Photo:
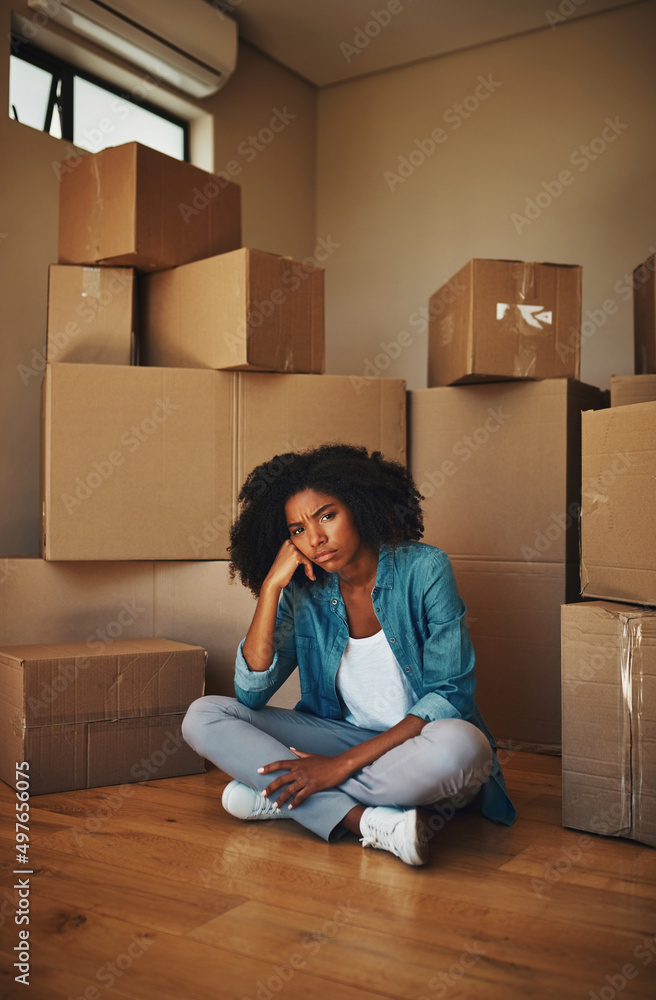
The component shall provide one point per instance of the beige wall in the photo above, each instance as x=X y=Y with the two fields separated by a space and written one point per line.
x=278 y=215
x=552 y=92
x=385 y=250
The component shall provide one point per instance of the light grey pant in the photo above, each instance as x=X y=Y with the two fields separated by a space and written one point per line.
x=446 y=763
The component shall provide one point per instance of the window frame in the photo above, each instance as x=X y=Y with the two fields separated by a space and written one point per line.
x=66 y=72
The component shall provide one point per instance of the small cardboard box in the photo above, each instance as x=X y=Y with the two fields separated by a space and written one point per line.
x=505 y=319
x=609 y=720
x=134 y=461
x=644 y=316
x=499 y=466
x=627 y=389
x=147 y=463
x=135 y=206
x=91 y=314
x=618 y=540
x=513 y=616
x=82 y=718
x=241 y=310
x=98 y=602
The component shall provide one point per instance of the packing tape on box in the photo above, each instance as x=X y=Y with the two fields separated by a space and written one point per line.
x=631 y=736
x=523 y=274
x=638 y=738
x=626 y=716
x=91 y=282
x=97 y=210
x=524 y=320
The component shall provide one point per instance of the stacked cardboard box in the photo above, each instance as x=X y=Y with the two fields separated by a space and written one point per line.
x=609 y=719
x=608 y=647
x=641 y=387
x=83 y=717
x=644 y=316
x=132 y=206
x=121 y=211
x=626 y=389
x=142 y=463
x=91 y=314
x=618 y=541
x=499 y=465
x=242 y=310
x=503 y=319
x=147 y=463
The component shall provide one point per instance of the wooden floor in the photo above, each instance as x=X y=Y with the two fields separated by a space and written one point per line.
x=159 y=895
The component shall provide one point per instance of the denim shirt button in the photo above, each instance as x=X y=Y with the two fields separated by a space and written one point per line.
x=377 y=609
x=407 y=670
x=334 y=601
x=392 y=639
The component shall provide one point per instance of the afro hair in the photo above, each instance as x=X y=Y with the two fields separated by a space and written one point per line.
x=381 y=495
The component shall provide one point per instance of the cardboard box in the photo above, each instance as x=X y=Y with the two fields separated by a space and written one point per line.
x=513 y=616
x=504 y=319
x=644 y=316
x=99 y=602
x=499 y=466
x=82 y=718
x=278 y=413
x=609 y=720
x=627 y=389
x=618 y=541
x=241 y=310
x=147 y=463
x=91 y=314
x=135 y=206
x=134 y=461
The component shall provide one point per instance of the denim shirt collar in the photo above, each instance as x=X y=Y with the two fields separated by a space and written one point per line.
x=329 y=590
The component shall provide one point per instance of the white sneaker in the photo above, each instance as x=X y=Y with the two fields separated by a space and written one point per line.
x=247 y=803
x=395 y=830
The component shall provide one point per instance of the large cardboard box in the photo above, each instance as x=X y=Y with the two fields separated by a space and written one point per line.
x=91 y=314
x=503 y=319
x=609 y=720
x=618 y=540
x=135 y=206
x=241 y=310
x=147 y=463
x=82 y=718
x=513 y=616
x=499 y=466
x=134 y=461
x=100 y=602
x=644 y=316
x=278 y=413
x=627 y=389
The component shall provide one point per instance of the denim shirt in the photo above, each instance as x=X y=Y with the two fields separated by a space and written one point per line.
x=423 y=617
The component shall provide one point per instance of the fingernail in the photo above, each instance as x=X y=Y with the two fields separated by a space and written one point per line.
x=260 y=770
x=263 y=793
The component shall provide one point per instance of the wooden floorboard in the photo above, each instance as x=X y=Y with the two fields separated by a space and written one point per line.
x=152 y=892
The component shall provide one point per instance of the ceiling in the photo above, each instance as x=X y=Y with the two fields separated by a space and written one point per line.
x=329 y=41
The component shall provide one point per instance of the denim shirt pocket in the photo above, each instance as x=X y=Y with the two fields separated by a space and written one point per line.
x=306 y=651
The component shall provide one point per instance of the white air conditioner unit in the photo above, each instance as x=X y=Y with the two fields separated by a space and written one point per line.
x=190 y=46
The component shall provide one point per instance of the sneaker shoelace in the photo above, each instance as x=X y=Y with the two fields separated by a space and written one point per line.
x=264 y=806
x=378 y=836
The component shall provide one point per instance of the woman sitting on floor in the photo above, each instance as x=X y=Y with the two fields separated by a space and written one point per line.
x=328 y=541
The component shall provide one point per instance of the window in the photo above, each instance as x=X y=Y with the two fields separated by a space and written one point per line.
x=52 y=95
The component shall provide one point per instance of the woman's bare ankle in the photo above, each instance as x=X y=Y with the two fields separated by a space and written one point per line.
x=352 y=819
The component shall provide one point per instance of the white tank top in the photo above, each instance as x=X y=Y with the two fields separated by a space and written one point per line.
x=373 y=690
